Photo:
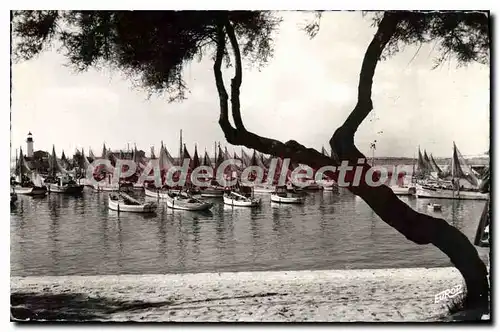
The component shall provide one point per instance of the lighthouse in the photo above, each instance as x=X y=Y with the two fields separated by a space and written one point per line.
x=29 y=142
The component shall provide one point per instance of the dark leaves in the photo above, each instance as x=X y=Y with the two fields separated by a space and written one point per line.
x=151 y=47
x=461 y=35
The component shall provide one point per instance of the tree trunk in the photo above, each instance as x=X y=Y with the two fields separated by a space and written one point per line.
x=418 y=228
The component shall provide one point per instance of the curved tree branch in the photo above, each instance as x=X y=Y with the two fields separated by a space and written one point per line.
x=417 y=227
x=236 y=81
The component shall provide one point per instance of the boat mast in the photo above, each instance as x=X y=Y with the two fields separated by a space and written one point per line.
x=453 y=171
x=413 y=170
x=180 y=149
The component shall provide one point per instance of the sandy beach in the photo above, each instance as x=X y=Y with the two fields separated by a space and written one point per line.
x=294 y=296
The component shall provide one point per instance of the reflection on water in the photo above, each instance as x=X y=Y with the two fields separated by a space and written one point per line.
x=60 y=235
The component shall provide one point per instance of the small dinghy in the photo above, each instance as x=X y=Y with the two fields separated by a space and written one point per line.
x=122 y=202
x=184 y=201
x=282 y=195
x=241 y=198
x=434 y=207
x=156 y=192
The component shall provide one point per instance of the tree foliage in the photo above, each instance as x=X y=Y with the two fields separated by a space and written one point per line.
x=460 y=35
x=151 y=46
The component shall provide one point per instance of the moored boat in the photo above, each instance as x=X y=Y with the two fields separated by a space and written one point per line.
x=63 y=185
x=184 y=201
x=156 y=192
x=122 y=202
x=263 y=188
x=434 y=207
x=30 y=190
x=236 y=199
x=450 y=194
x=212 y=192
x=281 y=195
x=404 y=190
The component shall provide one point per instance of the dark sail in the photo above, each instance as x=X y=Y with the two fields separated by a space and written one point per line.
x=461 y=170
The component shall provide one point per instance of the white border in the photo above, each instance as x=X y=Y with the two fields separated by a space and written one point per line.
x=186 y=4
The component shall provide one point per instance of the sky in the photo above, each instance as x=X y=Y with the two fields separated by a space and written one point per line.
x=304 y=93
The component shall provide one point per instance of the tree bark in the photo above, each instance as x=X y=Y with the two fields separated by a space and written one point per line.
x=416 y=227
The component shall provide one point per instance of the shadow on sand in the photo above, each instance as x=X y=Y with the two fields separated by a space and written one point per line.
x=71 y=307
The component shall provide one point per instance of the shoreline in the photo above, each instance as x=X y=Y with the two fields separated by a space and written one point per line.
x=368 y=295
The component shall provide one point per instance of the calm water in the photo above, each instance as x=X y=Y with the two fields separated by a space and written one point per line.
x=60 y=235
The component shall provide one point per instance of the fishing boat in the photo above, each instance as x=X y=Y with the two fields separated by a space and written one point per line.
x=313 y=187
x=63 y=185
x=156 y=192
x=184 y=201
x=241 y=197
x=282 y=195
x=122 y=202
x=23 y=184
x=263 y=188
x=451 y=194
x=105 y=185
x=463 y=185
x=212 y=191
x=404 y=190
x=434 y=207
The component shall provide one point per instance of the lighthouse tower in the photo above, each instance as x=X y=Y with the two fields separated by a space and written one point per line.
x=29 y=142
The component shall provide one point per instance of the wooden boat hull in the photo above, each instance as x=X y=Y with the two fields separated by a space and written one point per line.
x=264 y=189
x=160 y=194
x=105 y=188
x=122 y=207
x=30 y=191
x=448 y=194
x=234 y=202
x=287 y=200
x=212 y=192
x=68 y=189
x=182 y=205
x=404 y=191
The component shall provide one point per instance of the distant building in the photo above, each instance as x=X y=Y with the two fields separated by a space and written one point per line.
x=29 y=142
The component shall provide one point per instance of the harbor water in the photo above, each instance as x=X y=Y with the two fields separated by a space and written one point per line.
x=66 y=235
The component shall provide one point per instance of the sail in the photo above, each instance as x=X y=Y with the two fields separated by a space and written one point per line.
x=461 y=169
x=220 y=157
x=65 y=164
x=323 y=151
x=246 y=159
x=195 y=162
x=427 y=161
x=85 y=162
x=206 y=160
x=266 y=161
x=166 y=160
x=422 y=167
x=54 y=166
x=91 y=155
x=435 y=166
x=152 y=156
x=21 y=167
x=185 y=154
x=104 y=151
